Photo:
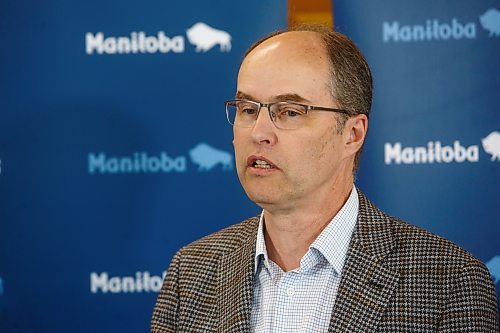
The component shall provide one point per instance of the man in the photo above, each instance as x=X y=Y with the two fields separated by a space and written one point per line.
x=320 y=257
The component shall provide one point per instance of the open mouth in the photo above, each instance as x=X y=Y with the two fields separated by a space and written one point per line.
x=260 y=163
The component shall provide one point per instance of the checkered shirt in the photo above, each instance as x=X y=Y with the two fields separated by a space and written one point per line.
x=302 y=299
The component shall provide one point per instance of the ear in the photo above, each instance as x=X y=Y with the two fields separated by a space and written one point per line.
x=355 y=130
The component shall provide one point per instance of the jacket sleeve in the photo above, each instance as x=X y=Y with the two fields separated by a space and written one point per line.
x=472 y=304
x=166 y=310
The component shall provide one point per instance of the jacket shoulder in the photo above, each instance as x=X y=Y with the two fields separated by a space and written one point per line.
x=413 y=241
x=223 y=241
x=439 y=282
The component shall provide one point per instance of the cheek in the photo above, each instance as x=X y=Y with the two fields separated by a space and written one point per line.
x=239 y=158
x=309 y=159
x=238 y=144
x=323 y=146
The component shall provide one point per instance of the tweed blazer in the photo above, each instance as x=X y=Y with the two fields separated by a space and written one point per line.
x=396 y=278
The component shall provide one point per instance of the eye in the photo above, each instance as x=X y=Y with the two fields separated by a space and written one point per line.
x=291 y=111
x=248 y=111
x=247 y=108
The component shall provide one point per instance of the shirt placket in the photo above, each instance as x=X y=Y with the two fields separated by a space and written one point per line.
x=286 y=314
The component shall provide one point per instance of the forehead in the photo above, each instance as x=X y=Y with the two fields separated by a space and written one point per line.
x=289 y=63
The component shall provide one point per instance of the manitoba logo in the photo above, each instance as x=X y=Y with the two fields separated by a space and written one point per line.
x=490 y=21
x=441 y=30
x=433 y=152
x=204 y=37
x=138 y=162
x=207 y=157
x=140 y=282
x=202 y=155
x=491 y=145
x=428 y=30
x=136 y=42
x=494 y=268
x=438 y=152
x=201 y=35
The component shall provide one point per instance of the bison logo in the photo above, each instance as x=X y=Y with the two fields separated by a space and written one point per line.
x=494 y=268
x=204 y=37
x=490 y=21
x=491 y=145
x=207 y=157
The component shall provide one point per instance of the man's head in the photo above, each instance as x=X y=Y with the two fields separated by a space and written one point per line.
x=351 y=78
x=290 y=167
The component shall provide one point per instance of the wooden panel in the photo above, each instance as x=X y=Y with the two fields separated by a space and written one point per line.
x=310 y=11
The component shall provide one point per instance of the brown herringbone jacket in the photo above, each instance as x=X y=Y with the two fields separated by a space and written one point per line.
x=397 y=278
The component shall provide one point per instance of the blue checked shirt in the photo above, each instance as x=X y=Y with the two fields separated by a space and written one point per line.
x=302 y=300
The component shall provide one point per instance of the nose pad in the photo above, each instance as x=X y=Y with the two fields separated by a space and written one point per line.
x=258 y=119
x=272 y=116
x=264 y=130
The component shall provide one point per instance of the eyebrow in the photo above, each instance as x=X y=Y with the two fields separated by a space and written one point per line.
x=278 y=98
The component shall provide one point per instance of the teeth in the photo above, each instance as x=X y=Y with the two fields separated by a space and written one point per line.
x=262 y=164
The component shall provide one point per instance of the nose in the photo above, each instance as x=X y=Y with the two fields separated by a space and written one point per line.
x=264 y=130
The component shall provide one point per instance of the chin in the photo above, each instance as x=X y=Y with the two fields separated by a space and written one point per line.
x=261 y=199
x=266 y=200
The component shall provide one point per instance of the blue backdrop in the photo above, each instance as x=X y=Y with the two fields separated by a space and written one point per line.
x=433 y=148
x=115 y=151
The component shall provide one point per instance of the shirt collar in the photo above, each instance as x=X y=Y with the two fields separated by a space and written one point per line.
x=332 y=243
x=260 y=245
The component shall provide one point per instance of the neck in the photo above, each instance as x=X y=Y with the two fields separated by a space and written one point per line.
x=289 y=233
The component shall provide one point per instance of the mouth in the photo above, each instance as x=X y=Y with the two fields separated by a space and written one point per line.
x=261 y=163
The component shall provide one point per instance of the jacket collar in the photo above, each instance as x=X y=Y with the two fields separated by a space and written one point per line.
x=367 y=283
x=235 y=282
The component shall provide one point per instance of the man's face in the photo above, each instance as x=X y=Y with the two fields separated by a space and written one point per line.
x=308 y=163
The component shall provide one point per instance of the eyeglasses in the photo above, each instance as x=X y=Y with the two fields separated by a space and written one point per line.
x=284 y=115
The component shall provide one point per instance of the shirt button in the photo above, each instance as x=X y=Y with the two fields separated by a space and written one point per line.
x=290 y=291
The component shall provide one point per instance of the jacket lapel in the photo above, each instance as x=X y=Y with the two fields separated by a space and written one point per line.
x=235 y=283
x=367 y=282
